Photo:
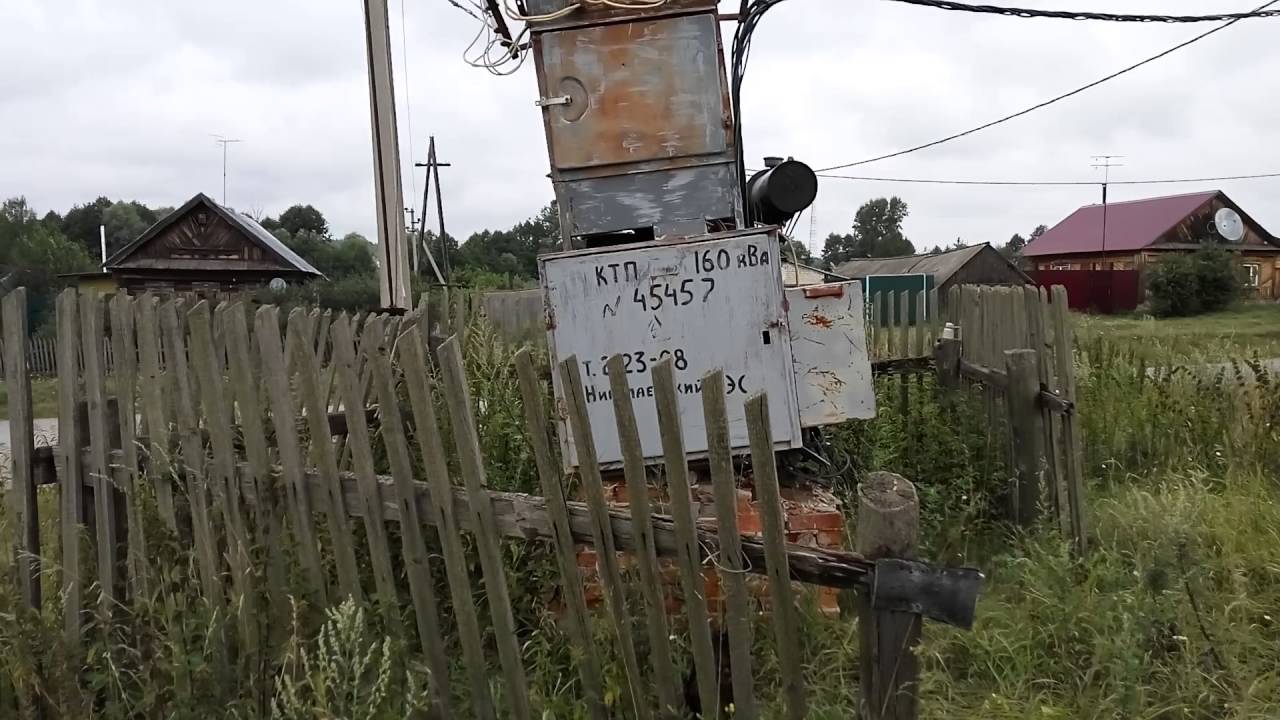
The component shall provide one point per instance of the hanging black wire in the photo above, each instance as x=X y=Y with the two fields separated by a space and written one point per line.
x=1087 y=15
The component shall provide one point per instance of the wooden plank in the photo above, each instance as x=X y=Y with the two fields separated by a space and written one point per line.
x=159 y=452
x=219 y=421
x=261 y=480
x=358 y=441
x=1026 y=433
x=25 y=512
x=1065 y=362
x=576 y=615
x=91 y=339
x=193 y=456
x=303 y=364
x=442 y=513
x=902 y=305
x=458 y=398
x=786 y=624
x=413 y=542
x=1056 y=447
x=731 y=565
x=124 y=348
x=689 y=553
x=601 y=533
x=877 y=331
x=275 y=374
x=888 y=527
x=1034 y=313
x=69 y=444
x=664 y=673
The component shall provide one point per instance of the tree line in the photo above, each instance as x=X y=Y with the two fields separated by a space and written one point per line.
x=35 y=250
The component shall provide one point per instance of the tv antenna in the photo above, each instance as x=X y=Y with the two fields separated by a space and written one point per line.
x=224 y=142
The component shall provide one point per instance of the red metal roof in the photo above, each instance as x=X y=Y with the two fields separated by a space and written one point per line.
x=1131 y=225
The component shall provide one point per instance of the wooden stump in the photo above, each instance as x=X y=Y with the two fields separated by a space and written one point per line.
x=888 y=527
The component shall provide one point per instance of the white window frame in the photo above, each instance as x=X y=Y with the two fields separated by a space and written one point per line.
x=1059 y=266
x=1253 y=273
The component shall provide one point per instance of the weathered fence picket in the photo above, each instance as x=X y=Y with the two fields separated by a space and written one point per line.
x=174 y=397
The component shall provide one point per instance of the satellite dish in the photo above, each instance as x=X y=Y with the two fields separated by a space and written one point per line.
x=277 y=284
x=1227 y=223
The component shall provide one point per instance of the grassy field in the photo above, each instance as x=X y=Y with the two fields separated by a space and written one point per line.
x=1174 y=614
x=44 y=399
x=1238 y=332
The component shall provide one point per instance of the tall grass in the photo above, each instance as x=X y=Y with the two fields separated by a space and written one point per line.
x=1173 y=615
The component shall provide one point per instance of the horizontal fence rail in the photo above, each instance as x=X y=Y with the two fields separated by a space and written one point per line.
x=317 y=458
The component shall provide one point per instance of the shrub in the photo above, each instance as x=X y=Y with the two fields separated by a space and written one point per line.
x=1190 y=284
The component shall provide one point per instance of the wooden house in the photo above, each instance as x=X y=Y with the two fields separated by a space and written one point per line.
x=200 y=247
x=1140 y=232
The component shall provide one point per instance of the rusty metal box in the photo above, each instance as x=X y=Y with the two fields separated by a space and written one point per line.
x=713 y=302
x=638 y=125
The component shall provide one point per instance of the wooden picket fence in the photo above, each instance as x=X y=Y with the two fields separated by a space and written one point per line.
x=1015 y=351
x=256 y=437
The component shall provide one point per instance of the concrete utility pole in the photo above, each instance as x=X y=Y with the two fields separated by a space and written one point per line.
x=393 y=265
x=224 y=142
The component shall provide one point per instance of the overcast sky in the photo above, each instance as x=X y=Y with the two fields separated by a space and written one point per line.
x=118 y=98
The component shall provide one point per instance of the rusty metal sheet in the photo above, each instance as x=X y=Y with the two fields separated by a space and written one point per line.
x=828 y=342
x=642 y=90
x=649 y=199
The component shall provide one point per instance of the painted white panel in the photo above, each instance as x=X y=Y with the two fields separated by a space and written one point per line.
x=828 y=342
x=713 y=303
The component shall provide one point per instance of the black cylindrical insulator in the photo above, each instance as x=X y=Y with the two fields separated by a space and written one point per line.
x=781 y=191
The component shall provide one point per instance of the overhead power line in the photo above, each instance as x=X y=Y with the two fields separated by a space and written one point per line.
x=1088 y=15
x=1047 y=183
x=1048 y=102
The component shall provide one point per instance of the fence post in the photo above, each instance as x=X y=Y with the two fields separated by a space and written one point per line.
x=1026 y=428
x=888 y=527
x=22 y=489
x=946 y=357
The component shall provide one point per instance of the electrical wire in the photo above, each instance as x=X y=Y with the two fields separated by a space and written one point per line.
x=1087 y=15
x=1046 y=103
x=1050 y=183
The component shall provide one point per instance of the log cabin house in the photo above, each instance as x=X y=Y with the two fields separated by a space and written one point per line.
x=1140 y=232
x=201 y=247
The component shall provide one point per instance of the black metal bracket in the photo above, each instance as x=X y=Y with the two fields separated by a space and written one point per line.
x=948 y=595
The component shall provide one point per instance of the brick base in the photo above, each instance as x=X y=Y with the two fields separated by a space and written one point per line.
x=812 y=519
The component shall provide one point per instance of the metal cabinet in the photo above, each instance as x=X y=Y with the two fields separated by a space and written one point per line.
x=828 y=343
x=707 y=303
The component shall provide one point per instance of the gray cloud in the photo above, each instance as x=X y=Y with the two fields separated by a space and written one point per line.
x=118 y=98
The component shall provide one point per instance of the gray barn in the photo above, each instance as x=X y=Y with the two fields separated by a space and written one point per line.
x=973 y=265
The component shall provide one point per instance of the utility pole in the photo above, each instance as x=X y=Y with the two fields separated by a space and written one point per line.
x=393 y=260
x=1105 y=163
x=224 y=142
x=409 y=230
x=433 y=166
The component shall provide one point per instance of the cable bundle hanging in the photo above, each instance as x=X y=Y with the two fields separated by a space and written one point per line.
x=1088 y=15
x=749 y=15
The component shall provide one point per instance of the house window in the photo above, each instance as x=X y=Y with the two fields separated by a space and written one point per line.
x=1252 y=271
x=1060 y=266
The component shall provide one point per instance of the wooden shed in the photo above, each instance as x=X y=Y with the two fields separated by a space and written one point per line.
x=201 y=246
x=973 y=265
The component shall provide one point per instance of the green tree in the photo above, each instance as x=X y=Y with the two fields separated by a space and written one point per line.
x=513 y=251
x=1013 y=248
x=33 y=253
x=877 y=232
x=125 y=221
x=80 y=224
x=1193 y=283
x=299 y=219
x=798 y=250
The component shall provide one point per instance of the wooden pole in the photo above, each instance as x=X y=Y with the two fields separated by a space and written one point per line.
x=25 y=511
x=888 y=527
x=1026 y=430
